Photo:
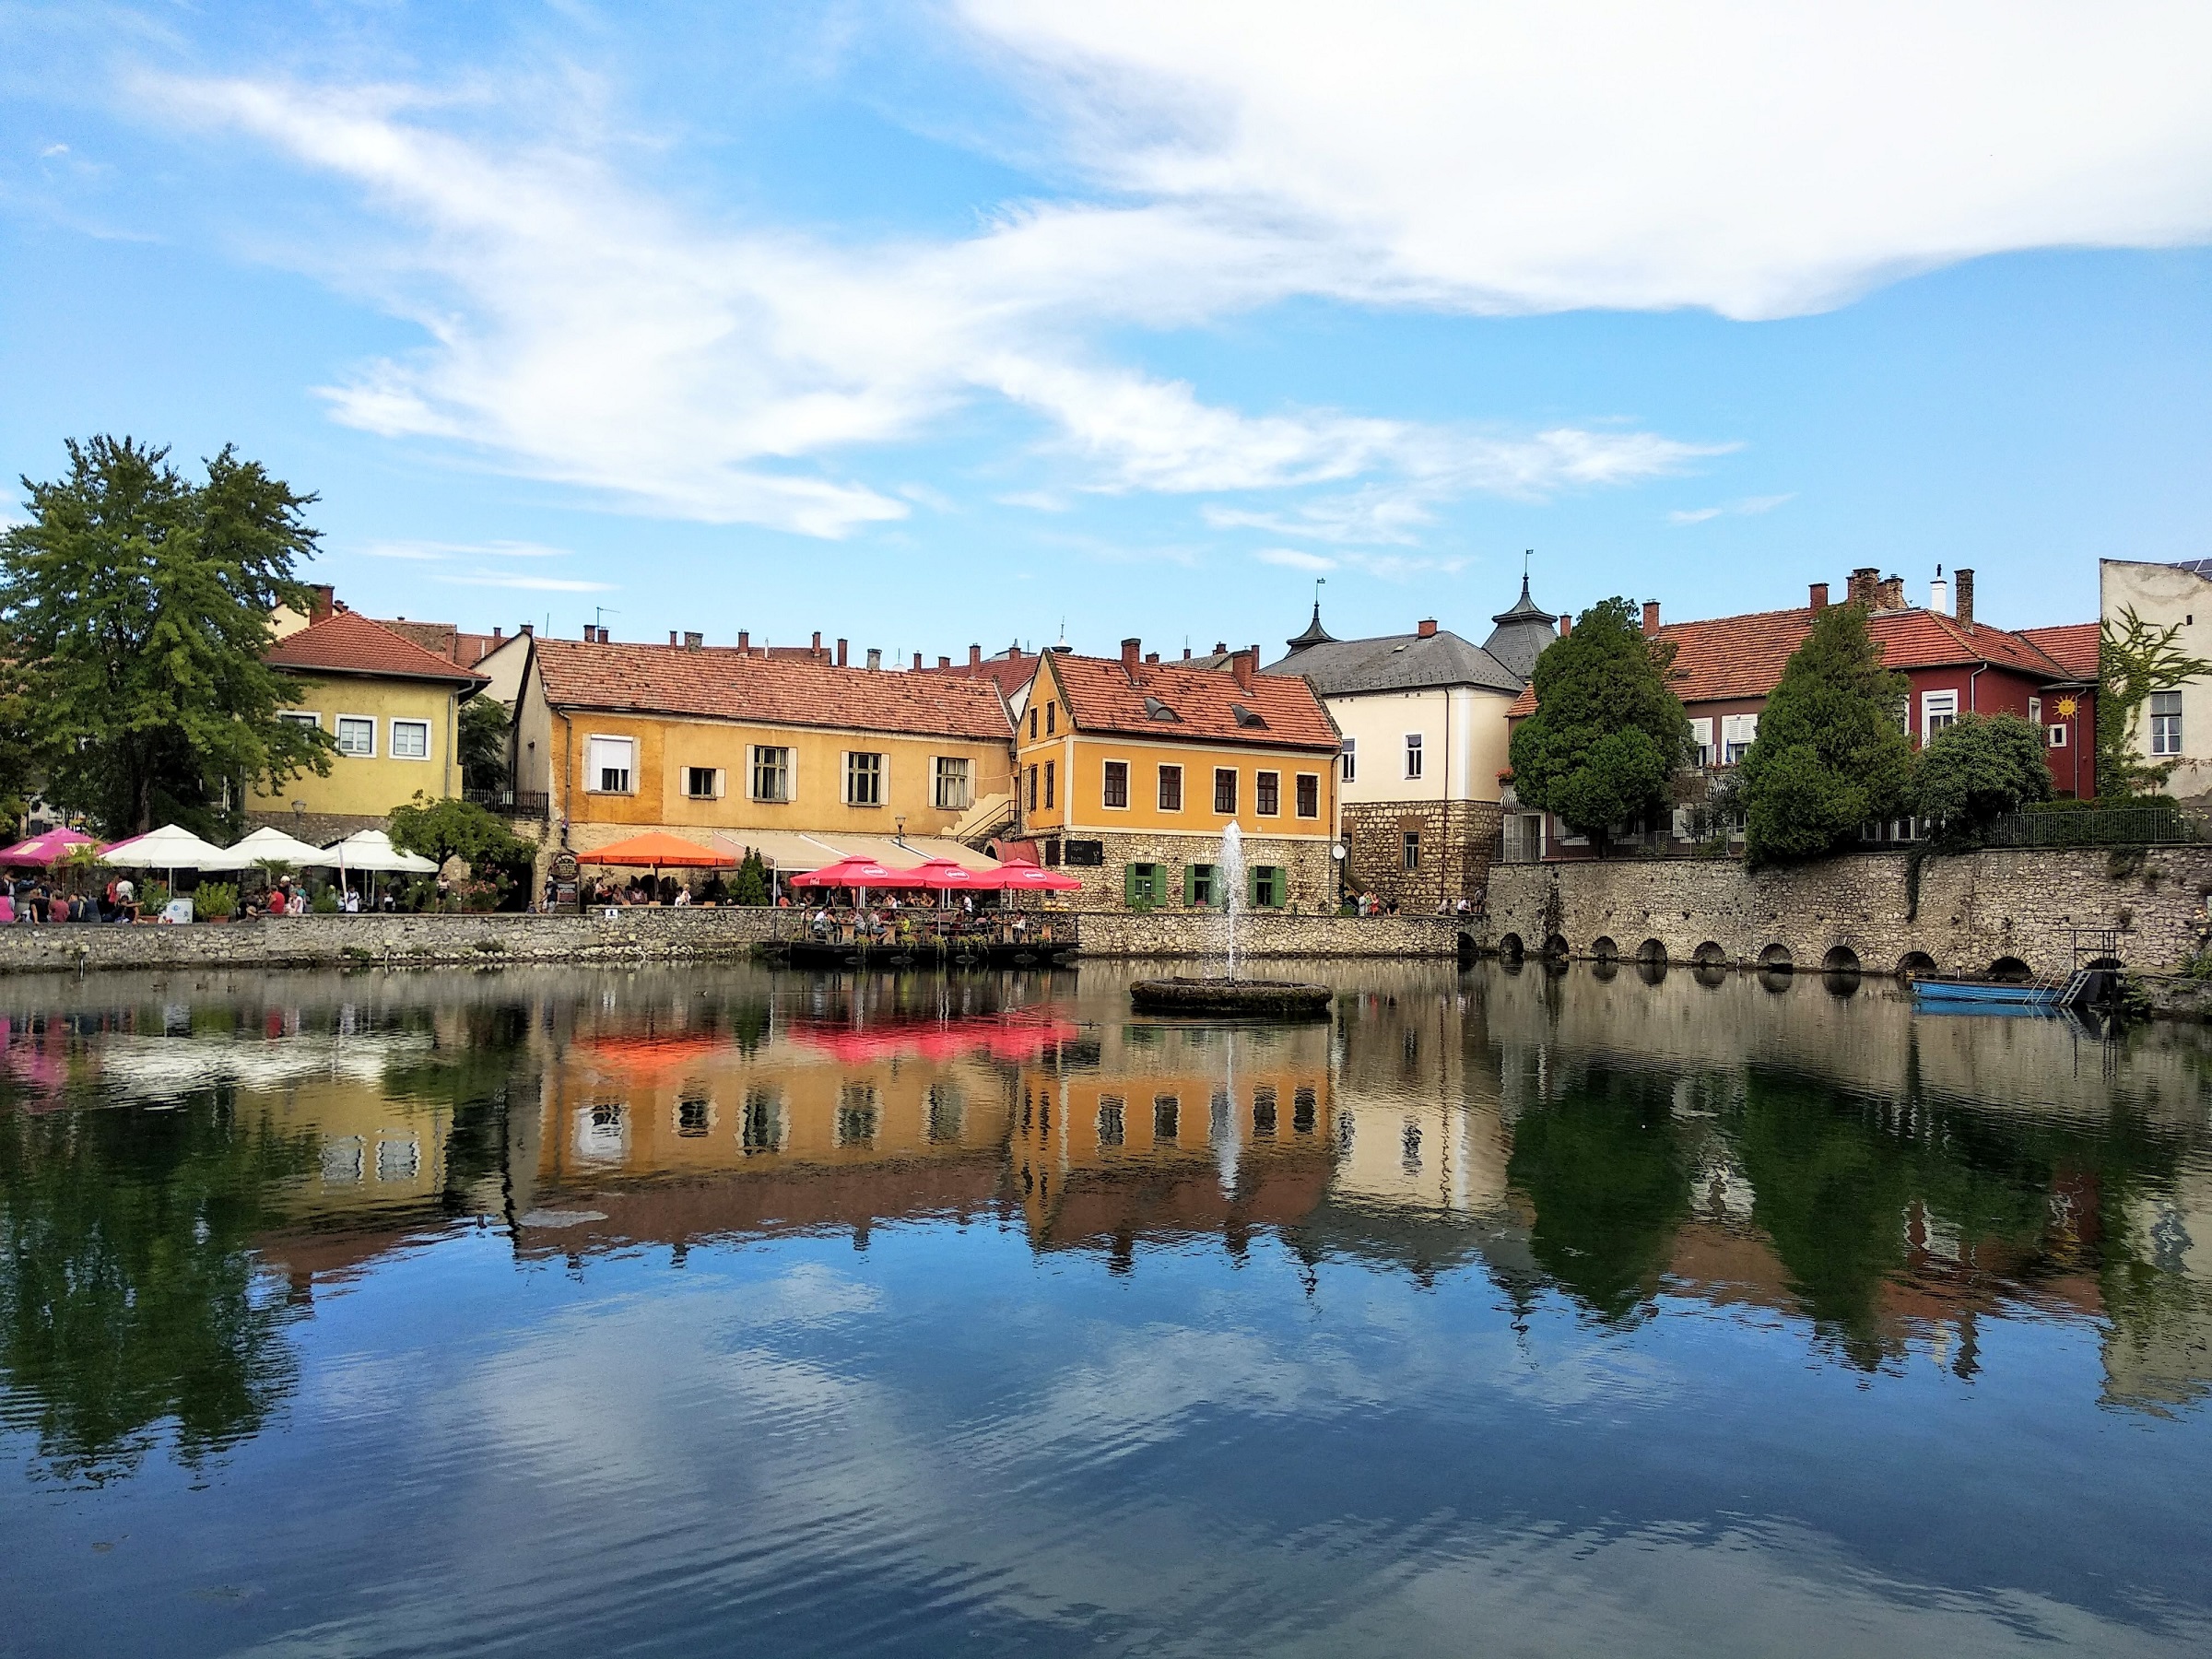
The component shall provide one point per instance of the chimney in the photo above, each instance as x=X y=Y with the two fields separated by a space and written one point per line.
x=693 y=641
x=1186 y=654
x=1965 y=611
x=1819 y=596
x=975 y=656
x=1566 y=625
x=944 y=662
x=672 y=636
x=1425 y=629
x=744 y=638
x=841 y=655
x=494 y=632
x=1940 y=595
x=1244 y=664
x=591 y=633
x=1131 y=650
x=817 y=641
x=918 y=663
x=1892 y=594
x=1650 y=615
x=1220 y=647
x=875 y=655
x=528 y=627
x=1861 y=586
x=321 y=600
x=1152 y=657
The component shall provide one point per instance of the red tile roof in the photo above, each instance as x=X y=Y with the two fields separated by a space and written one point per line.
x=443 y=638
x=1105 y=695
x=345 y=642
x=2073 y=645
x=1008 y=673
x=722 y=683
x=1726 y=658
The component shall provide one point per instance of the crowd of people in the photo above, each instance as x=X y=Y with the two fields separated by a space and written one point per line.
x=1368 y=904
x=31 y=899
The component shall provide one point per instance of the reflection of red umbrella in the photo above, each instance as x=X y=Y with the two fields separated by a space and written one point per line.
x=649 y=1056
x=44 y=852
x=947 y=1040
x=854 y=871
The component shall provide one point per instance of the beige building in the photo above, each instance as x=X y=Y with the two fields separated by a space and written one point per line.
x=2173 y=726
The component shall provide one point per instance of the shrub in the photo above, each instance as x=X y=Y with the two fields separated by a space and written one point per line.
x=1973 y=772
x=217 y=901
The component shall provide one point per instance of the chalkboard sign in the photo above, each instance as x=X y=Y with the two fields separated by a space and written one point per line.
x=1089 y=852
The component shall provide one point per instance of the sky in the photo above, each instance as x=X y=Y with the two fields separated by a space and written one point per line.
x=978 y=321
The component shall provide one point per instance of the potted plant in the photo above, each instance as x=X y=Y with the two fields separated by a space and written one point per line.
x=215 y=902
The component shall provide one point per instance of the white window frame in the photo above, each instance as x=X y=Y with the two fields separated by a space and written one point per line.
x=1934 y=705
x=301 y=717
x=883 y=776
x=2165 y=740
x=790 y=770
x=1350 y=757
x=392 y=739
x=1414 y=761
x=1128 y=773
x=1738 y=733
x=2035 y=711
x=2057 y=736
x=1700 y=732
x=936 y=781
x=591 y=773
x=717 y=783
x=338 y=732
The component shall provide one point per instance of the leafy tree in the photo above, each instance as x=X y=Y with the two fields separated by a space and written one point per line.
x=1830 y=754
x=138 y=606
x=750 y=885
x=1971 y=773
x=485 y=725
x=2135 y=658
x=1607 y=734
x=450 y=828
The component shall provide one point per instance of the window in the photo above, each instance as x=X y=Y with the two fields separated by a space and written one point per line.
x=955 y=792
x=1738 y=731
x=1700 y=734
x=607 y=765
x=1167 y=1109
x=771 y=773
x=1263 y=1110
x=702 y=783
x=2035 y=711
x=2058 y=736
x=356 y=736
x=1413 y=850
x=1268 y=887
x=1116 y=792
x=1171 y=789
x=2165 y=723
x=1309 y=795
x=694 y=1116
x=313 y=722
x=1351 y=759
x=1052 y=718
x=1088 y=855
x=411 y=740
x=1032 y=789
x=859 y=1115
x=1145 y=884
x=1198 y=885
x=1049 y=768
x=1413 y=754
x=762 y=1128
x=863 y=778
x=1032 y=726
x=1268 y=794
x=1937 y=710
x=1225 y=789
x=1111 y=1111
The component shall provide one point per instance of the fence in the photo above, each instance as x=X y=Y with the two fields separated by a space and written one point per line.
x=2156 y=826
x=512 y=802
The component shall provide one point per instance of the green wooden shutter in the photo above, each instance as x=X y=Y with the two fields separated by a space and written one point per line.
x=1252 y=888
x=1129 y=885
x=1190 y=886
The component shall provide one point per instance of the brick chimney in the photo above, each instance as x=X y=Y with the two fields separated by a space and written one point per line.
x=1244 y=664
x=1152 y=659
x=591 y=633
x=1861 y=587
x=1819 y=596
x=918 y=663
x=1425 y=629
x=672 y=636
x=744 y=638
x=817 y=641
x=495 y=633
x=321 y=600
x=975 y=656
x=528 y=627
x=1132 y=651
x=695 y=641
x=944 y=662
x=1650 y=615
x=1891 y=594
x=841 y=655
x=1962 y=607
x=1566 y=626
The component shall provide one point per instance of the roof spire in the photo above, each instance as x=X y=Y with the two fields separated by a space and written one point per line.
x=1315 y=633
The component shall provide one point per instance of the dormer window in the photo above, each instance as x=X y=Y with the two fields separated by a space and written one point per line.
x=1245 y=717
x=1155 y=710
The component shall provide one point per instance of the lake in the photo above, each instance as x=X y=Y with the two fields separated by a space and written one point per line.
x=710 y=1309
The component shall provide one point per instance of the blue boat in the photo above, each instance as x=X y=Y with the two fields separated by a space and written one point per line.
x=1968 y=996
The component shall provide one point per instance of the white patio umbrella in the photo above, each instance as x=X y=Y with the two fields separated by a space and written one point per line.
x=271 y=843
x=371 y=850
x=168 y=848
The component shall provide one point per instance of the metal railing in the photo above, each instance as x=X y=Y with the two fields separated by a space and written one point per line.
x=512 y=802
x=2155 y=826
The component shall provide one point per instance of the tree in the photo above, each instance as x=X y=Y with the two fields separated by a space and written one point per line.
x=1607 y=734
x=1970 y=772
x=2135 y=658
x=1831 y=754
x=450 y=828
x=137 y=605
x=751 y=885
x=485 y=725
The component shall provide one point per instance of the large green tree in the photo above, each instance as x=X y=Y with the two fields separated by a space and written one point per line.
x=1831 y=753
x=1607 y=734
x=136 y=605
x=1972 y=772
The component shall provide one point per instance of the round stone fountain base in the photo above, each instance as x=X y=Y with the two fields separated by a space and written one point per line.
x=1259 y=999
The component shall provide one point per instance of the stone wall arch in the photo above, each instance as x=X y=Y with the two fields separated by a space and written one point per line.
x=1709 y=955
x=1915 y=961
x=2010 y=970
x=1555 y=947
x=1777 y=957
x=1841 y=958
x=1510 y=947
x=1651 y=954
x=1602 y=949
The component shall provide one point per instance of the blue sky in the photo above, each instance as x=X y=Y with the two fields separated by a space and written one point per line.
x=935 y=323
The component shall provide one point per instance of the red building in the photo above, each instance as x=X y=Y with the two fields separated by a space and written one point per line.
x=1727 y=666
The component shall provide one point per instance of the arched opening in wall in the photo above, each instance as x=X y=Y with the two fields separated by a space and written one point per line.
x=1555 y=947
x=1602 y=949
x=1468 y=950
x=1915 y=961
x=1778 y=958
x=2010 y=970
x=1841 y=960
x=1651 y=954
x=1709 y=955
x=1509 y=947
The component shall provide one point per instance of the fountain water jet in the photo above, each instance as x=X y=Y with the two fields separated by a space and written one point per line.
x=1269 y=999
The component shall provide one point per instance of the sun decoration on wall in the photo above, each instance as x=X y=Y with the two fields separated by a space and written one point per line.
x=2067 y=706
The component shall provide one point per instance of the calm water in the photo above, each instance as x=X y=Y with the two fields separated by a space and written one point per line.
x=702 y=1310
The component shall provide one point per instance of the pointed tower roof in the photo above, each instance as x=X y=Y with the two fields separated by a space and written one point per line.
x=1521 y=633
x=1315 y=633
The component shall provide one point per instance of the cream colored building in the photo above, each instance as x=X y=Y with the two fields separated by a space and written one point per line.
x=2173 y=726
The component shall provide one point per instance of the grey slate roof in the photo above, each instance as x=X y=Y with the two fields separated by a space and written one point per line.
x=1398 y=662
x=1521 y=635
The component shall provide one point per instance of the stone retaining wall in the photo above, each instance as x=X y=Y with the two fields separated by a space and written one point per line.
x=1266 y=936
x=1974 y=910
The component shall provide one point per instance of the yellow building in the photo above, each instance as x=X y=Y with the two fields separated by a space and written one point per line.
x=706 y=740
x=1131 y=770
x=393 y=710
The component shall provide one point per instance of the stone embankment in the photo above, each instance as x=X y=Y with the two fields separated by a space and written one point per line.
x=1271 y=934
x=1975 y=911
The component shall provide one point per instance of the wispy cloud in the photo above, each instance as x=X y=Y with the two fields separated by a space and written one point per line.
x=1749 y=507
x=434 y=551
x=1388 y=567
x=1290 y=559
x=536 y=584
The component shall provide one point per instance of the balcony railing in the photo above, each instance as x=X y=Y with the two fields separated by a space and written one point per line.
x=512 y=803
x=2154 y=826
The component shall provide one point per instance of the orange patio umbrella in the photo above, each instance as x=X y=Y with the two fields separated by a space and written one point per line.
x=657 y=850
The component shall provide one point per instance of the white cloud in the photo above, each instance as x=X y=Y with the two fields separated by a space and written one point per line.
x=1292 y=559
x=437 y=551
x=1540 y=156
x=535 y=584
x=1749 y=507
x=1389 y=567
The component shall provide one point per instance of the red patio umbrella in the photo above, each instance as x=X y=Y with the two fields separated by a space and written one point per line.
x=855 y=871
x=43 y=851
x=943 y=876
x=657 y=850
x=1021 y=876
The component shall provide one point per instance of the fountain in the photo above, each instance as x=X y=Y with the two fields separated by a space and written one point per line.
x=1225 y=992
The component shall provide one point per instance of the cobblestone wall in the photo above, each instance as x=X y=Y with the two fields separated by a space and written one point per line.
x=1270 y=936
x=1459 y=840
x=1312 y=880
x=1974 y=910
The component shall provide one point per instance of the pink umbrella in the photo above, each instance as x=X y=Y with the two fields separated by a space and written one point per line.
x=1021 y=876
x=44 y=851
x=941 y=875
x=854 y=871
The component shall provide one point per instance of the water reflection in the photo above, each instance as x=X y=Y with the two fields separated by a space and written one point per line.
x=189 y=1170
